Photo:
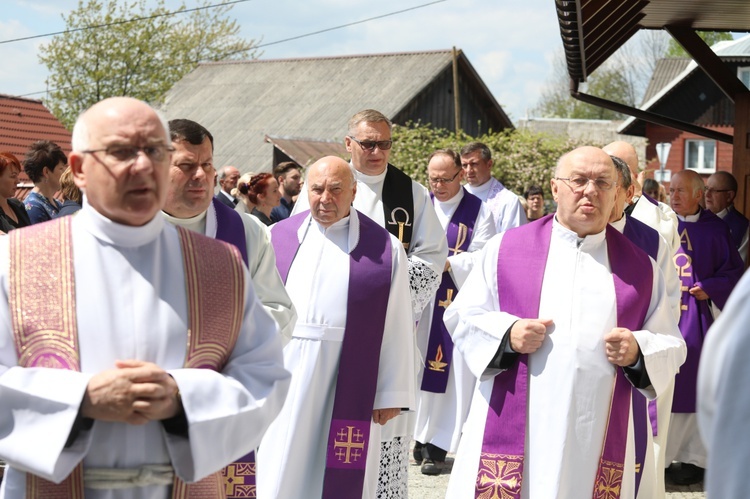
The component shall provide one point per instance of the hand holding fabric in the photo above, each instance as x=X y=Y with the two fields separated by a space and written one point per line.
x=526 y=335
x=382 y=416
x=621 y=347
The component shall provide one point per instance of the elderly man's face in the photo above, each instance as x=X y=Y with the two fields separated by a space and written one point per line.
x=369 y=161
x=229 y=182
x=622 y=198
x=718 y=195
x=127 y=191
x=331 y=190
x=585 y=208
x=191 y=179
x=478 y=171
x=683 y=196
x=444 y=177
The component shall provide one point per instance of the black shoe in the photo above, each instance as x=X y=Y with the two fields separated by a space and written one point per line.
x=687 y=474
x=430 y=467
x=417 y=452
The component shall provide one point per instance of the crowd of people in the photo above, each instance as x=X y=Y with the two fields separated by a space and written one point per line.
x=300 y=339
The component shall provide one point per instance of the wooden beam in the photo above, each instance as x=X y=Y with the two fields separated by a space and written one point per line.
x=711 y=64
x=649 y=116
x=741 y=152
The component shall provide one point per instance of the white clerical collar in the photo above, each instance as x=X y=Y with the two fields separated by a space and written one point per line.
x=619 y=224
x=115 y=233
x=583 y=243
x=723 y=213
x=450 y=205
x=689 y=218
x=350 y=223
x=480 y=189
x=370 y=179
x=197 y=223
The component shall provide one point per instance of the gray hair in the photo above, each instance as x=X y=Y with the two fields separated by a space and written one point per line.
x=624 y=170
x=367 y=116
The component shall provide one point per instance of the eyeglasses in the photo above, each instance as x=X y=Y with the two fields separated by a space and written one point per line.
x=369 y=145
x=436 y=181
x=711 y=190
x=578 y=184
x=126 y=155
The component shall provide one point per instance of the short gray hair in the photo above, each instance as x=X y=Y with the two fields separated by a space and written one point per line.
x=624 y=170
x=367 y=116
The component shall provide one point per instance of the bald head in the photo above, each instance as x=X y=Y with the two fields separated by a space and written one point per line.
x=331 y=187
x=124 y=172
x=228 y=177
x=584 y=188
x=627 y=153
x=686 y=192
x=721 y=189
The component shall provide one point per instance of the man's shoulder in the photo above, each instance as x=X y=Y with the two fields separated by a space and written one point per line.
x=733 y=214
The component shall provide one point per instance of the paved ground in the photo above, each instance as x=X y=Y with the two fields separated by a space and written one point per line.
x=429 y=487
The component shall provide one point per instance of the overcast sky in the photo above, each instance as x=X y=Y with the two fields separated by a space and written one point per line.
x=510 y=42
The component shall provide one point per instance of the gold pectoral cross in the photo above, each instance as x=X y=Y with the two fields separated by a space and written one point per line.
x=463 y=232
x=448 y=299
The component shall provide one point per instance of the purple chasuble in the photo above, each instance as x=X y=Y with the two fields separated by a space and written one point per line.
x=647 y=239
x=439 y=356
x=520 y=274
x=229 y=227
x=706 y=258
x=369 y=287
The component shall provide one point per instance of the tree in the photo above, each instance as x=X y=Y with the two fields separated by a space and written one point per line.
x=111 y=54
x=710 y=37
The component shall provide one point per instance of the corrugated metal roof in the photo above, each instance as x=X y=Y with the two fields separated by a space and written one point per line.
x=241 y=102
x=728 y=50
x=665 y=71
x=307 y=151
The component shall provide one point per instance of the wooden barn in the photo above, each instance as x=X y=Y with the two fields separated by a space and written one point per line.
x=264 y=111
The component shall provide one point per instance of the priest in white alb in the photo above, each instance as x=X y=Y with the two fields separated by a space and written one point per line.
x=445 y=382
x=561 y=320
x=402 y=206
x=135 y=357
x=351 y=352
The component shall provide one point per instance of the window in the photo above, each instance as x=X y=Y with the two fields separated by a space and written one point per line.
x=744 y=75
x=700 y=155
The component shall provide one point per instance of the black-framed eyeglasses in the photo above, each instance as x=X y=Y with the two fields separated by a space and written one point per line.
x=711 y=190
x=579 y=183
x=436 y=181
x=369 y=145
x=122 y=155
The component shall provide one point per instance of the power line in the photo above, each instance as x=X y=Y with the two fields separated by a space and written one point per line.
x=277 y=41
x=124 y=21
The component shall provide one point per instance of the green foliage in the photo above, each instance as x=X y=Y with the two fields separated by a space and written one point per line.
x=141 y=59
x=710 y=37
x=520 y=157
x=608 y=83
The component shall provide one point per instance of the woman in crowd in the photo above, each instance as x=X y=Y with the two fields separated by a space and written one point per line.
x=44 y=164
x=240 y=192
x=263 y=193
x=13 y=214
x=71 y=194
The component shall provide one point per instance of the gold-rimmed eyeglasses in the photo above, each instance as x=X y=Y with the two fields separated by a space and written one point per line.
x=579 y=183
x=122 y=155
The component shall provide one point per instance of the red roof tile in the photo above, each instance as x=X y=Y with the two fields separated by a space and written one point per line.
x=24 y=121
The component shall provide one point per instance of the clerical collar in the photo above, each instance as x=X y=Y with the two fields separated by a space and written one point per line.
x=370 y=179
x=723 y=212
x=583 y=243
x=480 y=189
x=115 y=233
x=689 y=218
x=196 y=223
x=450 y=205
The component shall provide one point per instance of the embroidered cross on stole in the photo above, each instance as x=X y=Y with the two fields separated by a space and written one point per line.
x=45 y=330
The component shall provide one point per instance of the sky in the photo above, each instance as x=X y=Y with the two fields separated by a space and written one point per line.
x=511 y=43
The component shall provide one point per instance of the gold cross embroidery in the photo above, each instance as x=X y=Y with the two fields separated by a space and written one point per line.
x=463 y=232
x=350 y=444
x=448 y=299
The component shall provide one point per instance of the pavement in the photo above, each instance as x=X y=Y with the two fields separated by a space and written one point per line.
x=434 y=487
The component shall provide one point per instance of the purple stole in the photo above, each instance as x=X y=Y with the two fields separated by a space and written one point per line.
x=706 y=256
x=229 y=227
x=440 y=345
x=239 y=477
x=520 y=274
x=46 y=334
x=367 y=303
x=737 y=225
